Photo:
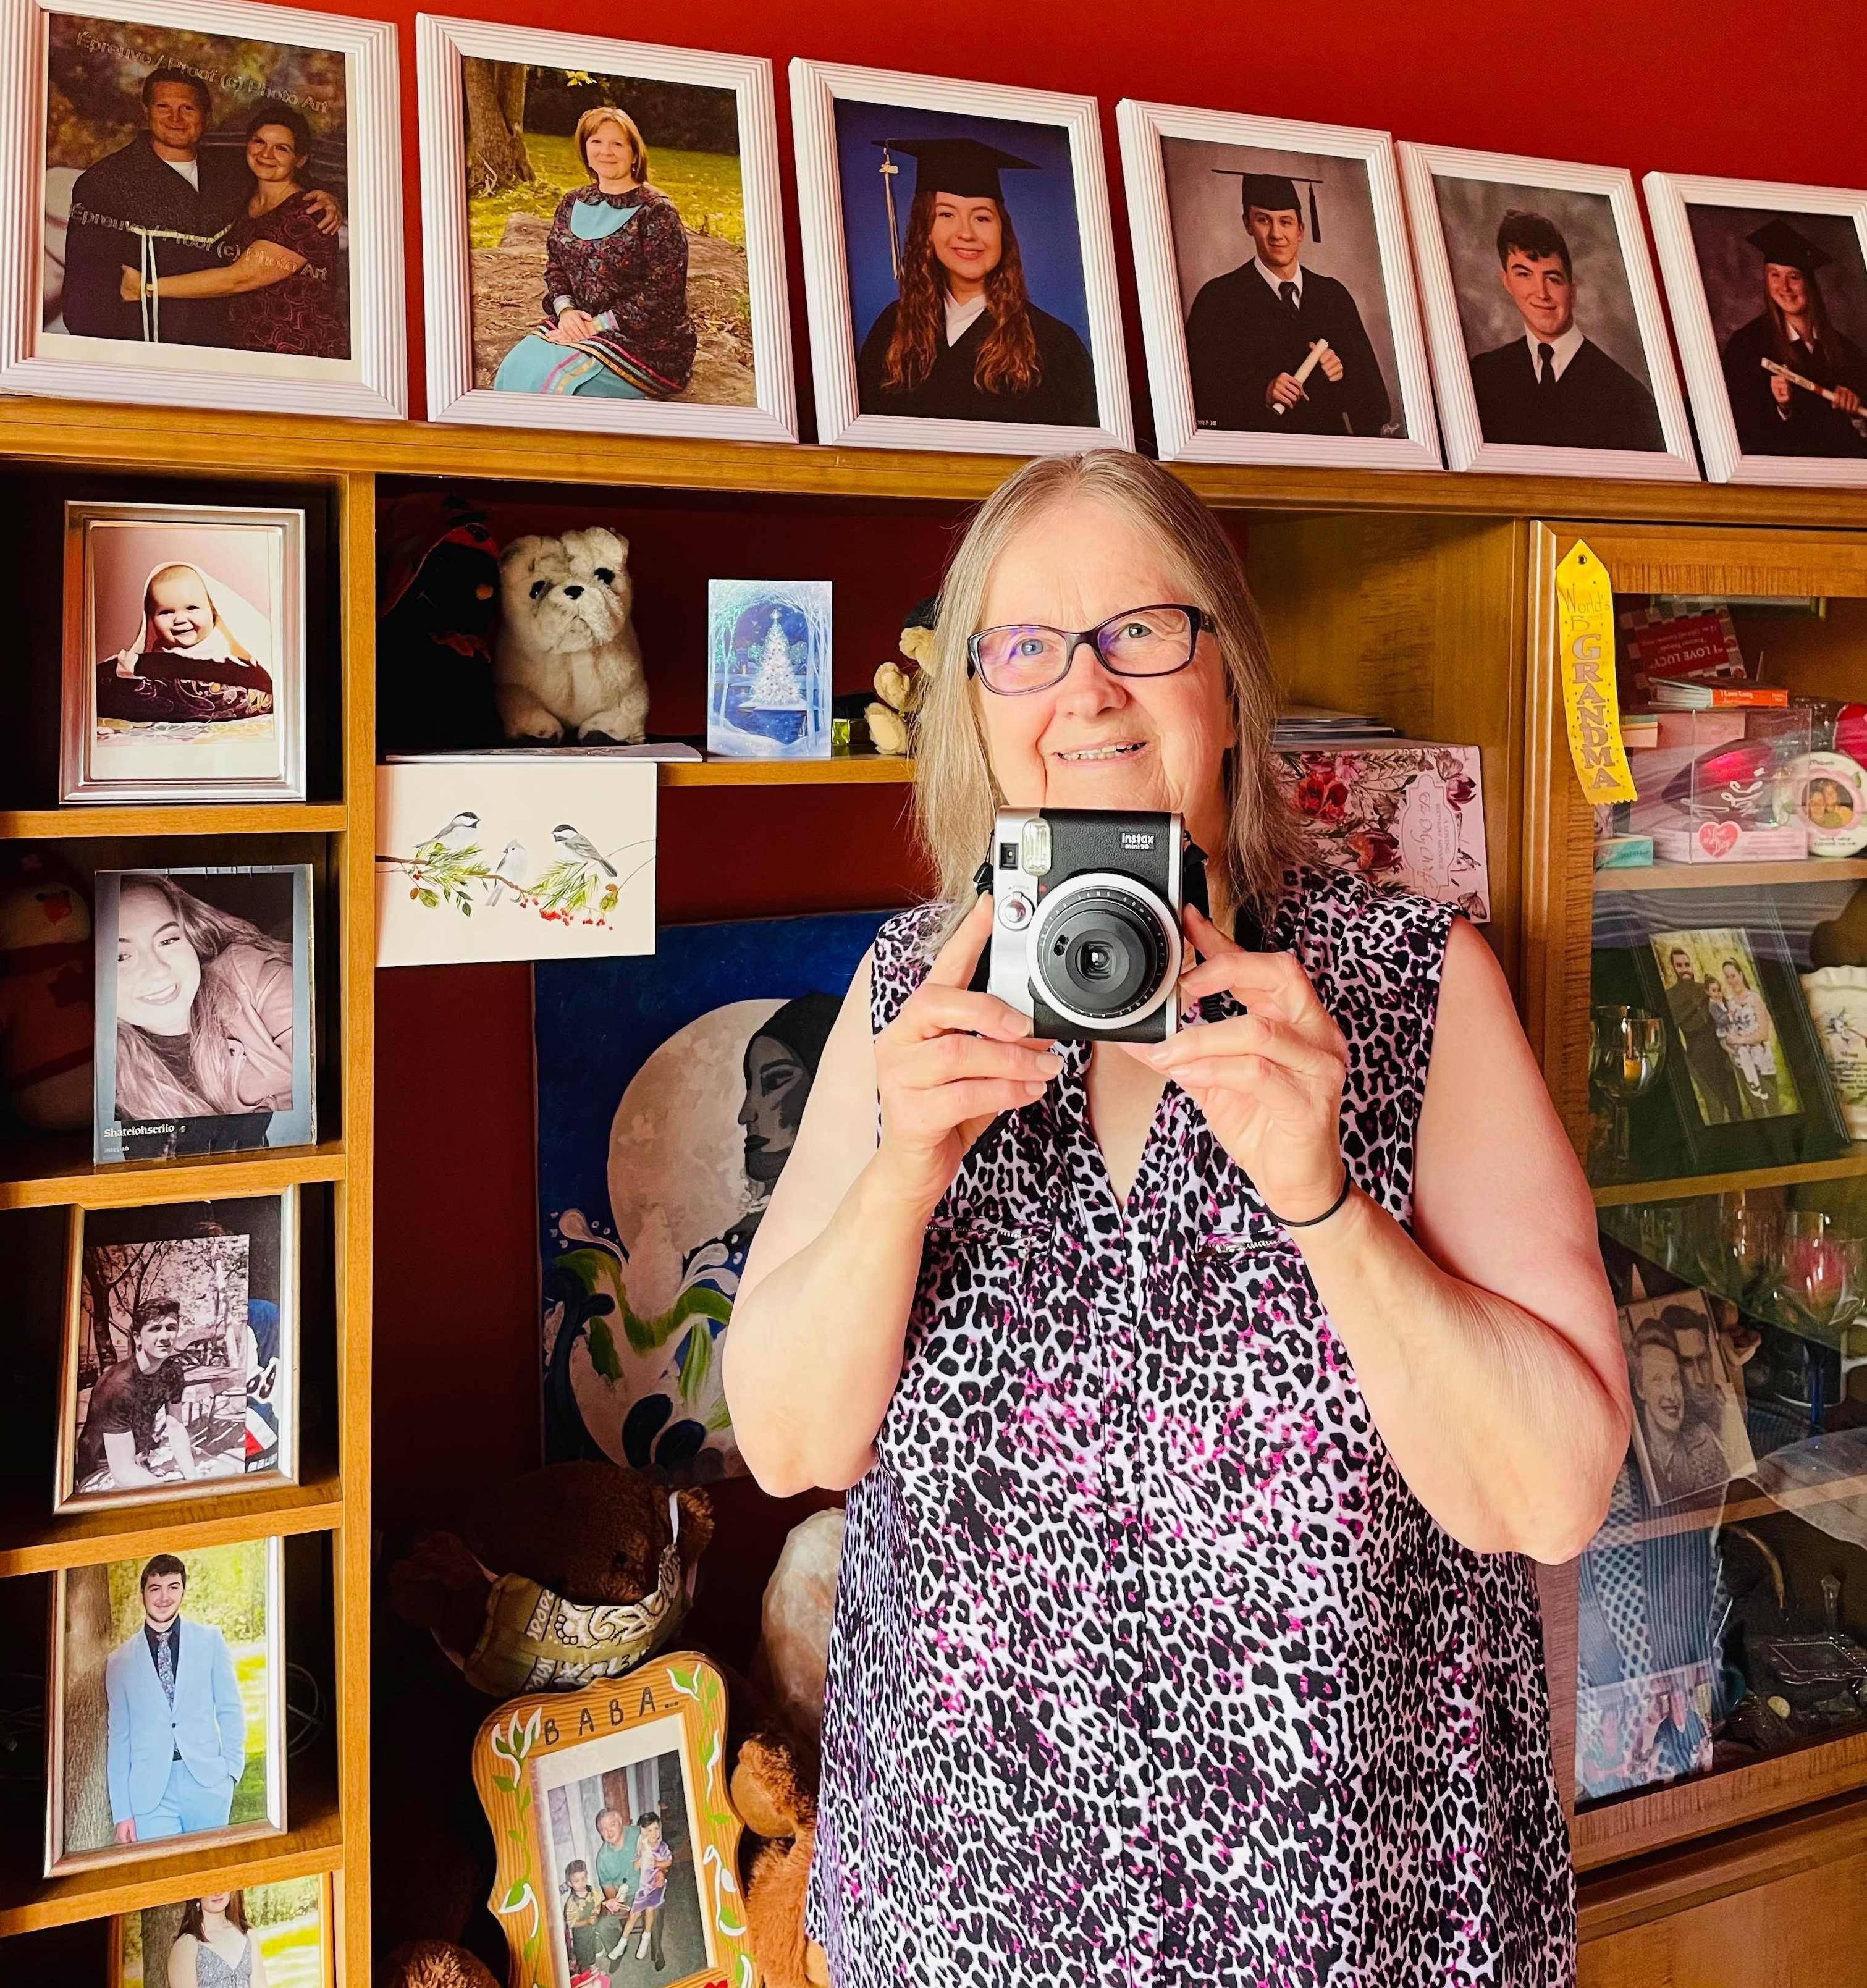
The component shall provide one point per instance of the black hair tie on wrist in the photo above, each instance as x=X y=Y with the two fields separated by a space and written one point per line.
x=1334 y=1208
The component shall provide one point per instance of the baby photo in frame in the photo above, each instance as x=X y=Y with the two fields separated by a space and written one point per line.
x=277 y=1935
x=166 y=1722
x=1277 y=292
x=1549 y=353
x=184 y=654
x=180 y=1355
x=203 y=1011
x=958 y=264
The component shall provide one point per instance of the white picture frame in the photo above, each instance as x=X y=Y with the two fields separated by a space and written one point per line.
x=441 y=43
x=373 y=382
x=1466 y=447
x=816 y=88
x=1670 y=198
x=1178 y=435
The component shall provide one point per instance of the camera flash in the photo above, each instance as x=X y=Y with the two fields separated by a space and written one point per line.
x=1036 y=849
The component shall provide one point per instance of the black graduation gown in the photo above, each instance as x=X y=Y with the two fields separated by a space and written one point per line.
x=1063 y=395
x=1807 y=426
x=1241 y=335
x=1595 y=404
x=131 y=191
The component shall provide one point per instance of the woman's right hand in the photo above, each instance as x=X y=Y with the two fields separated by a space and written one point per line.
x=948 y=1064
x=574 y=327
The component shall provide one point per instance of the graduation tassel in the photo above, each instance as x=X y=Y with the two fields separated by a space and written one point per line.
x=890 y=172
x=1315 y=220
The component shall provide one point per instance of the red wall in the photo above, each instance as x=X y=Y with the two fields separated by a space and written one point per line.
x=1711 y=86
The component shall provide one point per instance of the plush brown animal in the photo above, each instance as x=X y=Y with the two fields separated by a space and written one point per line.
x=901 y=692
x=772 y=1789
x=433 y=1963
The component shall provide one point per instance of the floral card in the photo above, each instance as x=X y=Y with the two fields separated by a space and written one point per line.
x=1409 y=814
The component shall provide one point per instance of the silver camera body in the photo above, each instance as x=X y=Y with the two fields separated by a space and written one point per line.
x=1086 y=920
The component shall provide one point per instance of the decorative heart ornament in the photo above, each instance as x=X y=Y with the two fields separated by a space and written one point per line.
x=1717 y=839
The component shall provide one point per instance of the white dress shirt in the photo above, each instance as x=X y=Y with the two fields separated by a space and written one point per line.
x=1565 y=348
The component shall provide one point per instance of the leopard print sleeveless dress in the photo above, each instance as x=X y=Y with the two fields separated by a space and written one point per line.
x=1147 y=1669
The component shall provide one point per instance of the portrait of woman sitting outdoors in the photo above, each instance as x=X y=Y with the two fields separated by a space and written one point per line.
x=1201 y=1405
x=615 y=322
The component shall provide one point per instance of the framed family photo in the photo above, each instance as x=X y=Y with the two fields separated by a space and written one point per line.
x=602 y=243
x=282 y=1935
x=166 y=1720
x=1549 y=350
x=180 y=1356
x=184 y=654
x=1768 y=286
x=1276 y=294
x=617 y=1846
x=1689 y=1437
x=958 y=264
x=204 y=1018
x=207 y=207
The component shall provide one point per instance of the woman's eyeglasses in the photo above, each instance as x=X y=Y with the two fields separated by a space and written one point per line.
x=1138 y=642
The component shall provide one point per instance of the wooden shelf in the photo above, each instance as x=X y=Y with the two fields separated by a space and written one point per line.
x=1743 y=1501
x=35 y=1542
x=73 y=824
x=1730 y=876
x=859 y=769
x=53 y=1170
x=1624 y=1194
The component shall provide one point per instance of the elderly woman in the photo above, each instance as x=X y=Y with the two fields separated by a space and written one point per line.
x=279 y=256
x=616 y=324
x=1201 y=1403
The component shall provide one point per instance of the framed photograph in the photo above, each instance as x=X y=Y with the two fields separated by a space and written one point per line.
x=603 y=245
x=167 y=1718
x=1768 y=286
x=184 y=654
x=204 y=1040
x=1258 y=242
x=1689 y=1437
x=206 y=208
x=283 y=1934
x=958 y=264
x=768 y=669
x=1642 y=1731
x=181 y=1360
x=617 y=1847
x=1549 y=351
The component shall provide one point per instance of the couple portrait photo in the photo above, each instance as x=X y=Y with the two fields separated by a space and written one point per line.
x=1733 y=1050
x=1689 y=1433
x=168 y=1713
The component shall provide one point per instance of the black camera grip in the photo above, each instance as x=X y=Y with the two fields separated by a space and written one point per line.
x=980 y=982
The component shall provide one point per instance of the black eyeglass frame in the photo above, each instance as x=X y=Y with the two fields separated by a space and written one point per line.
x=1200 y=622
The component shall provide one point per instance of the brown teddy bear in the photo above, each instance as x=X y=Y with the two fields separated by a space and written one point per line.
x=773 y=1789
x=435 y=1963
x=901 y=692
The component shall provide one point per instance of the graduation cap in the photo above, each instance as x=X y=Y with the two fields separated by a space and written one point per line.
x=1275 y=193
x=1778 y=241
x=963 y=167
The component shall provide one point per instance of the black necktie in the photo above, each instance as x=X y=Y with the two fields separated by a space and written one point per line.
x=1293 y=298
x=1545 y=367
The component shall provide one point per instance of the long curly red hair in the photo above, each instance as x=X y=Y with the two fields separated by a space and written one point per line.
x=1008 y=361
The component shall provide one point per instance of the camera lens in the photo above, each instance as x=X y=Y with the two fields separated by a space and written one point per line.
x=1103 y=955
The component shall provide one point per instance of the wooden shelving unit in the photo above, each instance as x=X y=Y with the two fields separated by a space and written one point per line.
x=858 y=769
x=1626 y=1194
x=1730 y=876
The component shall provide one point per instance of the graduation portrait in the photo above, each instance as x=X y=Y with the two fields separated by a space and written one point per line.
x=213 y=210
x=1275 y=292
x=1548 y=344
x=601 y=235
x=960 y=282
x=1769 y=290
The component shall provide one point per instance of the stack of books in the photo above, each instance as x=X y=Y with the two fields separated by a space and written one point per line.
x=1686 y=694
x=1309 y=727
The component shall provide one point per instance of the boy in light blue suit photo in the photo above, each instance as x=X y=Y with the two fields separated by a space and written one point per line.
x=177 y=1736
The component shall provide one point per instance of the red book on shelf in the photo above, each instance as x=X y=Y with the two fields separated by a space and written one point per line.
x=1681 y=696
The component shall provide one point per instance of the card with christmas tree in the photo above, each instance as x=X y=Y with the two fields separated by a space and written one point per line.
x=768 y=669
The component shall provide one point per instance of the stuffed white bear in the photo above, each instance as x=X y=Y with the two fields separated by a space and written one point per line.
x=566 y=659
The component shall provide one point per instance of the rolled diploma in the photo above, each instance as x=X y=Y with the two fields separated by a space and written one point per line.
x=1308 y=367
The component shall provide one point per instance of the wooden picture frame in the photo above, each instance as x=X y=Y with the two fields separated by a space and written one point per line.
x=441 y=46
x=327 y=1936
x=1670 y=198
x=36 y=357
x=1159 y=258
x=1586 y=191
x=277 y=1378
x=156 y=754
x=568 y=1755
x=942 y=106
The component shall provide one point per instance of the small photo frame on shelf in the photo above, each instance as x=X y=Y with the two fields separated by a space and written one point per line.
x=1689 y=1437
x=283 y=1933
x=602 y=241
x=616 y=1795
x=1549 y=350
x=181 y=1357
x=768 y=669
x=203 y=1011
x=207 y=207
x=1259 y=242
x=184 y=654
x=1768 y=288
x=958 y=264
x=143 y=1763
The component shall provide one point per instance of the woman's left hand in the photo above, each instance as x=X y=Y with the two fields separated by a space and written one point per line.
x=1270 y=1082
x=130 y=288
